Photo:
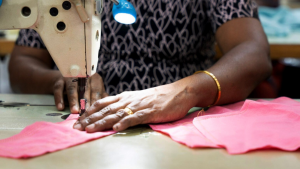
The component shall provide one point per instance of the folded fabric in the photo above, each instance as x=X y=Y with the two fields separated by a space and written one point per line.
x=183 y=131
x=43 y=137
x=241 y=127
x=257 y=125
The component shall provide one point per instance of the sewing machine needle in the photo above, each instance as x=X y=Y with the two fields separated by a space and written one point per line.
x=82 y=100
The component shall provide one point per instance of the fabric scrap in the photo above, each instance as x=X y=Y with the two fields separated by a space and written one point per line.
x=240 y=127
x=183 y=131
x=257 y=125
x=44 y=137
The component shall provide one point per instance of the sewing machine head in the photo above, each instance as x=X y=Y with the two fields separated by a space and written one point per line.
x=70 y=30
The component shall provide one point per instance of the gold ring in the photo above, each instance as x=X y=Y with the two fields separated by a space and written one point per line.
x=128 y=111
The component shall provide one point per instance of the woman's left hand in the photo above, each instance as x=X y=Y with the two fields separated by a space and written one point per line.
x=154 y=105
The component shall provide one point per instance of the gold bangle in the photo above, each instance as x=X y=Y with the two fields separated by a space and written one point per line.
x=217 y=82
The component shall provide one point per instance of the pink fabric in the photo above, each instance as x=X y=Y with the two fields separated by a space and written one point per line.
x=242 y=127
x=239 y=127
x=183 y=131
x=43 y=137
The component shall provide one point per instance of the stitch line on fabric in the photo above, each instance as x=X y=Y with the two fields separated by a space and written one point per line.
x=199 y=120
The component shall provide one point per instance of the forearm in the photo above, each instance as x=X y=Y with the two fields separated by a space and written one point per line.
x=238 y=72
x=245 y=63
x=242 y=69
x=29 y=75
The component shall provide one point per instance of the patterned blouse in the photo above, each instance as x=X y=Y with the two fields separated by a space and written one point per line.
x=170 y=40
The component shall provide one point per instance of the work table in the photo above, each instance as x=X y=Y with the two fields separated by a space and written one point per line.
x=138 y=147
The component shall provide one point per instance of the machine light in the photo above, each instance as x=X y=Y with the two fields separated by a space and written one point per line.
x=123 y=12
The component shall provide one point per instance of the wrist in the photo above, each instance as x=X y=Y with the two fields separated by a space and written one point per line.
x=217 y=84
x=201 y=89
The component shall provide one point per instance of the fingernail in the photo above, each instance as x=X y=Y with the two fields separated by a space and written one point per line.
x=75 y=109
x=59 y=106
x=78 y=126
x=89 y=127
x=116 y=127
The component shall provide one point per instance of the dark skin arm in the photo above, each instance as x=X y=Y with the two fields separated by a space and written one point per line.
x=246 y=58
x=245 y=63
x=29 y=68
x=31 y=72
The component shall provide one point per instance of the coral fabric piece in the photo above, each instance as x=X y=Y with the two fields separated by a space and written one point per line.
x=254 y=125
x=43 y=137
x=184 y=132
x=240 y=127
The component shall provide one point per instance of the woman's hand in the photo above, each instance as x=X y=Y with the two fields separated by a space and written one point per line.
x=94 y=91
x=154 y=105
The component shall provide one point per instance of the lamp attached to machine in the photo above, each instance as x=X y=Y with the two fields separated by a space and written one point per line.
x=123 y=12
x=73 y=42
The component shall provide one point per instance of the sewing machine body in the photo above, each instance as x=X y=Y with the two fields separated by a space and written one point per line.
x=70 y=32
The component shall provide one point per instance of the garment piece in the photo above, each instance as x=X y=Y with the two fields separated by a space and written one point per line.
x=241 y=127
x=43 y=137
x=257 y=125
x=171 y=39
x=183 y=131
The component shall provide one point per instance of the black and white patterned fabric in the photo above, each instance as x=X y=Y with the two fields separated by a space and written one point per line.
x=170 y=40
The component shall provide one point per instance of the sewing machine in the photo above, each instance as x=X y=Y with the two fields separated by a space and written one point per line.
x=70 y=29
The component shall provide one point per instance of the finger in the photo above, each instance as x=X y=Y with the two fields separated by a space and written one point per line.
x=140 y=117
x=96 y=88
x=86 y=119
x=107 y=122
x=71 y=89
x=87 y=94
x=100 y=104
x=58 y=89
